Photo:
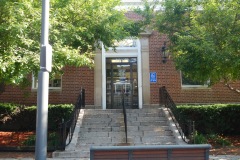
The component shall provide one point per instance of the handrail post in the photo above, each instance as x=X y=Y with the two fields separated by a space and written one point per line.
x=79 y=100
x=162 y=96
x=193 y=131
x=124 y=115
x=83 y=98
x=62 y=130
x=66 y=128
x=180 y=122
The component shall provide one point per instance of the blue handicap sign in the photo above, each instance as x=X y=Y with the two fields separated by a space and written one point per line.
x=153 y=77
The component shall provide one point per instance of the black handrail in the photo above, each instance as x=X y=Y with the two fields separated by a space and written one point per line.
x=184 y=126
x=125 y=115
x=66 y=128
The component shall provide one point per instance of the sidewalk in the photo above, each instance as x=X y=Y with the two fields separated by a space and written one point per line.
x=224 y=157
x=218 y=157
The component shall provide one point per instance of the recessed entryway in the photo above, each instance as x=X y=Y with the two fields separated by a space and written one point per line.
x=121 y=83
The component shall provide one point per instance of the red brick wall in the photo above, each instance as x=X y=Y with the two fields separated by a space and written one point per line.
x=168 y=76
x=72 y=81
x=75 y=78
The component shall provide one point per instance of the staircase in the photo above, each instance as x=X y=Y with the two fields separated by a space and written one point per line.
x=97 y=127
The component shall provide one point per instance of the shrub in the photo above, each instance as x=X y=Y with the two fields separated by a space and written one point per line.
x=25 y=119
x=199 y=138
x=6 y=109
x=52 y=140
x=218 y=140
x=214 y=139
x=58 y=113
x=218 y=118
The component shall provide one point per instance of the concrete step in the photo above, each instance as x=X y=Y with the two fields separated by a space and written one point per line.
x=93 y=120
x=101 y=125
x=98 y=134
x=100 y=111
x=144 y=114
x=157 y=133
x=106 y=128
x=71 y=154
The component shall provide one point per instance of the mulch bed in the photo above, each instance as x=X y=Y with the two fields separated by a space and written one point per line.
x=16 y=139
x=233 y=149
x=13 y=139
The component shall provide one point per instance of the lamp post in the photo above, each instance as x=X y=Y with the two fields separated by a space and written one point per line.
x=43 y=82
x=164 y=53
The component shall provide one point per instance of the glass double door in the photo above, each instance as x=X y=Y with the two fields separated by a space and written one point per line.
x=122 y=83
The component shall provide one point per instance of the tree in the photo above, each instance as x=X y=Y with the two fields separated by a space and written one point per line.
x=204 y=37
x=77 y=27
x=16 y=49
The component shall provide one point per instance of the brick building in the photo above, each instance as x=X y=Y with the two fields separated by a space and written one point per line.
x=136 y=68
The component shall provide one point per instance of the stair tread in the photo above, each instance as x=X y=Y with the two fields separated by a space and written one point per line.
x=106 y=128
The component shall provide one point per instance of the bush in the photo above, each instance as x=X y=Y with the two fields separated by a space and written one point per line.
x=6 y=109
x=199 y=138
x=52 y=140
x=218 y=118
x=25 y=118
x=58 y=113
x=213 y=139
x=218 y=140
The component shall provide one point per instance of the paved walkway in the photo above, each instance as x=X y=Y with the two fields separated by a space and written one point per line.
x=220 y=157
x=225 y=157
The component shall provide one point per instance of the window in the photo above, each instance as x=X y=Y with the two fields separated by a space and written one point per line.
x=54 y=84
x=188 y=83
x=130 y=42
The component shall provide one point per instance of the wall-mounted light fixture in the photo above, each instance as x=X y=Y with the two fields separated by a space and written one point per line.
x=164 y=53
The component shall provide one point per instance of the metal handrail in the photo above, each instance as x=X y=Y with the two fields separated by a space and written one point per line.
x=125 y=115
x=185 y=127
x=66 y=128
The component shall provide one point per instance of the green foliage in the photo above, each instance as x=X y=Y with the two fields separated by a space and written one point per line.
x=199 y=138
x=6 y=108
x=19 y=42
x=217 y=118
x=30 y=141
x=204 y=37
x=25 y=118
x=147 y=13
x=52 y=140
x=214 y=139
x=76 y=28
x=58 y=113
x=218 y=140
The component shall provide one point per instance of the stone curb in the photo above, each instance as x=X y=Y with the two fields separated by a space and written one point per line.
x=173 y=127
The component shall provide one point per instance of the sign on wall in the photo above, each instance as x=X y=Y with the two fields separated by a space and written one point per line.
x=153 y=77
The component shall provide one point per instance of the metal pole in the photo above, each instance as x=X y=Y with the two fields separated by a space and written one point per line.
x=43 y=82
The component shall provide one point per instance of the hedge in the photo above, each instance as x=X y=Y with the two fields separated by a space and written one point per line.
x=23 y=118
x=6 y=109
x=217 y=118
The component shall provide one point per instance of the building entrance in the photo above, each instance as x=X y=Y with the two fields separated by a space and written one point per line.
x=122 y=83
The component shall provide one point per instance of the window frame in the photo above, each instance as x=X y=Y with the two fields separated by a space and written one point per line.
x=35 y=84
x=205 y=85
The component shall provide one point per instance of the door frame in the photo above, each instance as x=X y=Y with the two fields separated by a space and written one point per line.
x=123 y=52
x=131 y=81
